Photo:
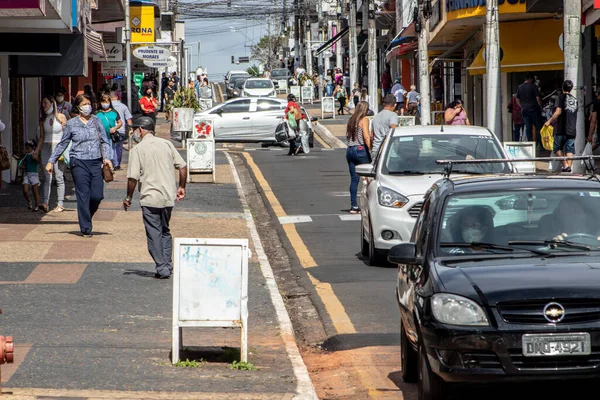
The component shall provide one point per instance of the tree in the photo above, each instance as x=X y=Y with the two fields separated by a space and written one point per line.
x=266 y=50
x=254 y=71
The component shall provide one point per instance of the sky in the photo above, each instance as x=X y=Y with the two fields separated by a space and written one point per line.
x=218 y=43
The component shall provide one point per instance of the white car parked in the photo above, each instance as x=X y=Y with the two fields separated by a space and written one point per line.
x=405 y=168
x=258 y=87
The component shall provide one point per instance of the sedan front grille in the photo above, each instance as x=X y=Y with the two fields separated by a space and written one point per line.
x=415 y=210
x=555 y=363
x=532 y=311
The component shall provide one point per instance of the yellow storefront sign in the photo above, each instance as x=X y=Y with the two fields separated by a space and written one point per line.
x=142 y=24
x=460 y=9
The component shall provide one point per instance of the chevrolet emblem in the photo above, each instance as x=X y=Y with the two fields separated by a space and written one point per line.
x=554 y=312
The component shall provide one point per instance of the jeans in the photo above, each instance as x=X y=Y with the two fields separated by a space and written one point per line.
x=89 y=189
x=533 y=118
x=329 y=90
x=118 y=151
x=517 y=128
x=58 y=173
x=158 y=235
x=355 y=156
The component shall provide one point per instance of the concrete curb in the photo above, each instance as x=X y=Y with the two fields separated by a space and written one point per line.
x=328 y=137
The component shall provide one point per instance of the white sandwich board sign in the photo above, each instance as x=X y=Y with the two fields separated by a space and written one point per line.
x=210 y=287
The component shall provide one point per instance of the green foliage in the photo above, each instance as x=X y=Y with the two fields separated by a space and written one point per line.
x=267 y=49
x=243 y=366
x=190 y=363
x=254 y=71
x=185 y=98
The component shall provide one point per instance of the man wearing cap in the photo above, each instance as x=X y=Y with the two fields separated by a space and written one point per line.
x=151 y=164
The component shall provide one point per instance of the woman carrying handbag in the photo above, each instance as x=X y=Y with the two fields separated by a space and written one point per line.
x=89 y=161
x=111 y=121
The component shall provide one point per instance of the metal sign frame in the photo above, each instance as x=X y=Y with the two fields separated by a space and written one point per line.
x=213 y=170
x=323 y=112
x=309 y=98
x=178 y=293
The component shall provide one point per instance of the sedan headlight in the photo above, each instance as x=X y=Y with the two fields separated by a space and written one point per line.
x=457 y=310
x=389 y=198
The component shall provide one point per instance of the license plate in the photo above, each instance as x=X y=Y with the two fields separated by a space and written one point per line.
x=556 y=344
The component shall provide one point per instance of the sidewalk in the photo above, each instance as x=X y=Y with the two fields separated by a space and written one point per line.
x=89 y=321
x=334 y=128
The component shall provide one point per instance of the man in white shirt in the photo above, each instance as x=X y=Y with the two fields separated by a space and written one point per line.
x=399 y=91
x=125 y=115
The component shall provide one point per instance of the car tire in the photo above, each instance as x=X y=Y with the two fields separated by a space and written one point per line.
x=408 y=358
x=364 y=243
x=374 y=257
x=431 y=386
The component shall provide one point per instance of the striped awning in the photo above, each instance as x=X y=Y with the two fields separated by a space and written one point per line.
x=95 y=42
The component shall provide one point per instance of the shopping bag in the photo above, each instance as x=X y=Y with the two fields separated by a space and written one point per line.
x=65 y=155
x=282 y=132
x=547 y=133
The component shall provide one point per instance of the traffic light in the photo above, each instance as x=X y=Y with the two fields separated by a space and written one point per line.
x=233 y=59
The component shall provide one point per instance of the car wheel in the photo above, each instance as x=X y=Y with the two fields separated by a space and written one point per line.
x=408 y=358
x=364 y=243
x=431 y=386
x=374 y=256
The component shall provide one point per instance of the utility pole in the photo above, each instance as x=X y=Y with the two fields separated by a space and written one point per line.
x=198 y=54
x=422 y=27
x=353 y=45
x=296 y=34
x=492 y=62
x=326 y=60
x=129 y=77
x=372 y=57
x=309 y=66
x=574 y=69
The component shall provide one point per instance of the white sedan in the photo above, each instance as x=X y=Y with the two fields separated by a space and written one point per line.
x=258 y=87
x=405 y=168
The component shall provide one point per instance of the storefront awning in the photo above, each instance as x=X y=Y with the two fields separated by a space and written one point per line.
x=526 y=46
x=95 y=43
x=402 y=51
x=331 y=41
x=407 y=34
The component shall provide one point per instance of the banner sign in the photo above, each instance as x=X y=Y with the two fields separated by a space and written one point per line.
x=152 y=53
x=9 y=4
x=114 y=53
x=113 y=68
x=142 y=24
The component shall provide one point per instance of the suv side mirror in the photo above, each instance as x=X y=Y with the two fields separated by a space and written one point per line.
x=366 y=170
x=404 y=253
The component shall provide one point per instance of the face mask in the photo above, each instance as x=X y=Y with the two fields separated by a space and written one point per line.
x=60 y=99
x=105 y=106
x=136 y=137
x=471 y=235
x=50 y=110
x=85 y=110
x=149 y=94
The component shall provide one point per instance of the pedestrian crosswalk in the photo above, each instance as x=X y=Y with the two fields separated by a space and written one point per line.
x=300 y=219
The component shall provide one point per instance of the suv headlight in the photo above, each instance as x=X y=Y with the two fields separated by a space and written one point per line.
x=389 y=198
x=457 y=310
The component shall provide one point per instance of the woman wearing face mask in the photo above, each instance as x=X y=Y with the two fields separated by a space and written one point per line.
x=111 y=121
x=149 y=104
x=62 y=106
x=89 y=145
x=473 y=224
x=52 y=123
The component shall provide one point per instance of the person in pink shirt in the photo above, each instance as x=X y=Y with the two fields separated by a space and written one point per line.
x=455 y=114
x=517 y=118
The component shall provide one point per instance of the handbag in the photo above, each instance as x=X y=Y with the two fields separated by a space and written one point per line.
x=107 y=173
x=4 y=159
x=282 y=132
x=116 y=136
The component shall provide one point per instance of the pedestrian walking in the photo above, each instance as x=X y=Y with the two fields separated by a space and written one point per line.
x=455 y=114
x=63 y=106
x=111 y=121
x=358 y=140
x=151 y=163
x=31 y=179
x=529 y=99
x=566 y=128
x=148 y=103
x=384 y=122
x=52 y=123
x=89 y=152
x=126 y=117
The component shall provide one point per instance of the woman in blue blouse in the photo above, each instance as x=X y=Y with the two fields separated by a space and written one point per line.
x=111 y=121
x=90 y=149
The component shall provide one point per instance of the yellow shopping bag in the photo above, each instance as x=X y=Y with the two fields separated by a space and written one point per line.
x=547 y=133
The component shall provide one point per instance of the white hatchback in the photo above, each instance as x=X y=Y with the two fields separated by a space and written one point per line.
x=258 y=87
x=405 y=168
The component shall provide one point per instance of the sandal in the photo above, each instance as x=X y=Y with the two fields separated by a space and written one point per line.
x=59 y=209
x=43 y=207
x=354 y=211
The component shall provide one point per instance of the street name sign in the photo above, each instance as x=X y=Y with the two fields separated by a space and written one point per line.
x=152 y=53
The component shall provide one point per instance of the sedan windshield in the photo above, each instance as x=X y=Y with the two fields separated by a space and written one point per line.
x=277 y=73
x=540 y=221
x=259 y=84
x=418 y=154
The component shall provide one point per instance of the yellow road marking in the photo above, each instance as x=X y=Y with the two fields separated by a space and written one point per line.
x=320 y=140
x=363 y=364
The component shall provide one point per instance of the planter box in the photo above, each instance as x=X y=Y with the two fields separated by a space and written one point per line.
x=183 y=119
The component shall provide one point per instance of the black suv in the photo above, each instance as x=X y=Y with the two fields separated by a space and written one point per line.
x=500 y=282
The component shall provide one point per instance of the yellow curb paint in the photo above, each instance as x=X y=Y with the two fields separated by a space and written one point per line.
x=320 y=140
x=368 y=374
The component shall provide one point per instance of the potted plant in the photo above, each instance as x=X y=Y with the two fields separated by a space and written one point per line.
x=183 y=107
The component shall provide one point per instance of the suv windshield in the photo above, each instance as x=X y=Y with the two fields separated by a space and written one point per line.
x=419 y=153
x=540 y=220
x=259 y=84
x=279 y=73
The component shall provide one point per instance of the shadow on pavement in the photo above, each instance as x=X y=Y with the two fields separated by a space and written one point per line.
x=210 y=354
x=360 y=340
